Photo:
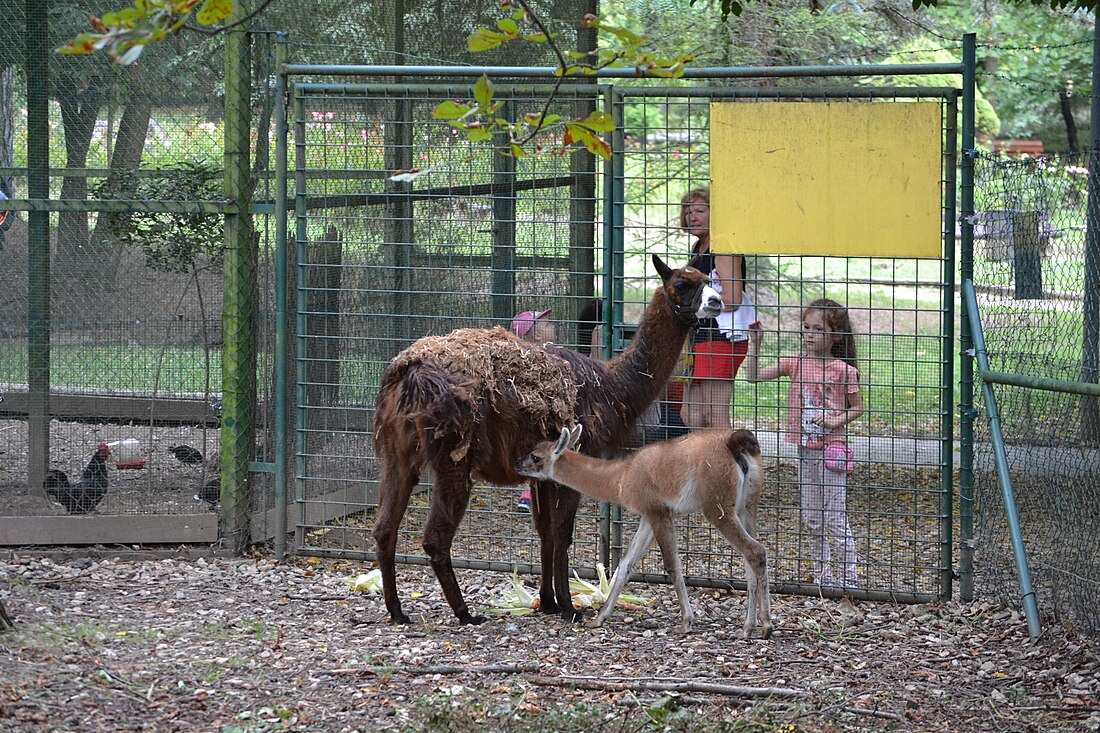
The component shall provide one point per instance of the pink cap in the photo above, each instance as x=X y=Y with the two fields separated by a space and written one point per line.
x=523 y=322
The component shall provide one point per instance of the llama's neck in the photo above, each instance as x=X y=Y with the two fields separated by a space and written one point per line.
x=599 y=479
x=648 y=362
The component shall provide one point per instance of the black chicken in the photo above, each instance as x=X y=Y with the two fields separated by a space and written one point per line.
x=211 y=492
x=83 y=496
x=185 y=453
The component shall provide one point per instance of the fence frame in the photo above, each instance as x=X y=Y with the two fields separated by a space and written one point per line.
x=294 y=78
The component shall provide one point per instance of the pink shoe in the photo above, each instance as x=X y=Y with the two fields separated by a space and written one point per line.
x=524 y=501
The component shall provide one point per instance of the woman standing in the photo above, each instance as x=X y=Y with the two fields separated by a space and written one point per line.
x=719 y=345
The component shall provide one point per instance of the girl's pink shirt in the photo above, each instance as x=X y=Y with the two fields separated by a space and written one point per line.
x=817 y=382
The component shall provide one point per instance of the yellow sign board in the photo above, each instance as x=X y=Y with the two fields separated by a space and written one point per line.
x=843 y=179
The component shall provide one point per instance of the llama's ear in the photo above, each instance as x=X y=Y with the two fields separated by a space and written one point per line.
x=694 y=262
x=662 y=269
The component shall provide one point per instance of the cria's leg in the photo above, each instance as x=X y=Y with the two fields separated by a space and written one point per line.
x=758 y=603
x=639 y=546
x=449 y=500
x=666 y=539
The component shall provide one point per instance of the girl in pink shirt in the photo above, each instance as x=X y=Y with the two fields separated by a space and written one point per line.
x=823 y=397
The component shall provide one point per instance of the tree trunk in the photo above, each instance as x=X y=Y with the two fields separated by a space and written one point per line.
x=7 y=124
x=79 y=111
x=125 y=158
x=1067 y=116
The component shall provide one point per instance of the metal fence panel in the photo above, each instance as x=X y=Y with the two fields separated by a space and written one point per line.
x=479 y=237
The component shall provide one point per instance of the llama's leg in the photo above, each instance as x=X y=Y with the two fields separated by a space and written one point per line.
x=666 y=540
x=561 y=505
x=543 y=499
x=758 y=601
x=643 y=538
x=449 y=500
x=398 y=480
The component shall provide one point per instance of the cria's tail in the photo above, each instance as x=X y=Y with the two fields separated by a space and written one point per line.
x=741 y=442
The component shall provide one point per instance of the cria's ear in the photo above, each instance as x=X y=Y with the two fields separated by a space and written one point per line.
x=662 y=269
x=563 y=442
x=574 y=436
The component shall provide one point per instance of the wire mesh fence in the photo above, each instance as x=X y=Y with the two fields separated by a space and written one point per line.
x=134 y=284
x=1030 y=269
x=134 y=338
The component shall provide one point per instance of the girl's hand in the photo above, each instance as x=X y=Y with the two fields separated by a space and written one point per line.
x=756 y=332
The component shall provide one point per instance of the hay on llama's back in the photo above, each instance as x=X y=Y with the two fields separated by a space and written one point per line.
x=496 y=364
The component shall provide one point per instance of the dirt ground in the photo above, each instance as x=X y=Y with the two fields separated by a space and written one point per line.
x=190 y=643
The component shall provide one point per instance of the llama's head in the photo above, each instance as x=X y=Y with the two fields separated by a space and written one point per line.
x=539 y=463
x=688 y=292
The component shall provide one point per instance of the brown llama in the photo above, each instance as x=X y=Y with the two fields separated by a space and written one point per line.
x=465 y=405
x=716 y=472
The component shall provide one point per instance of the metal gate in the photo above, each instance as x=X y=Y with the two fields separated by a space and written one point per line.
x=474 y=237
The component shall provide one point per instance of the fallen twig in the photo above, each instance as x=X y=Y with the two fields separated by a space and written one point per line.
x=713 y=688
x=875 y=713
x=440 y=669
x=5 y=620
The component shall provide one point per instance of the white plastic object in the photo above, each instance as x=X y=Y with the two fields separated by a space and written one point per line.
x=126 y=453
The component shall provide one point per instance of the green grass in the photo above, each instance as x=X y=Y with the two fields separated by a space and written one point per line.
x=120 y=367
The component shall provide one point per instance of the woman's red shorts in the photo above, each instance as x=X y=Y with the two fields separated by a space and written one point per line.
x=717 y=359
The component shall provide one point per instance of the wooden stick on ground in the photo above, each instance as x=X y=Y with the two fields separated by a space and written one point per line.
x=5 y=620
x=438 y=669
x=713 y=688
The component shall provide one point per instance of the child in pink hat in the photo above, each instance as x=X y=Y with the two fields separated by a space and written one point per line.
x=532 y=326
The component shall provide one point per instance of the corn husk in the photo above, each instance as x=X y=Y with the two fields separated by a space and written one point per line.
x=370 y=583
x=515 y=599
x=589 y=595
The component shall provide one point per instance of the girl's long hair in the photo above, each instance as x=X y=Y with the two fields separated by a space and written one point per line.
x=836 y=318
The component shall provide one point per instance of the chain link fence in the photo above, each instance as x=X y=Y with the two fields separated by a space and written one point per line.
x=148 y=307
x=1030 y=261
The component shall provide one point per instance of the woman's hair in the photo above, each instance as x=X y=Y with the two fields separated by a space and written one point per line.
x=836 y=318
x=694 y=196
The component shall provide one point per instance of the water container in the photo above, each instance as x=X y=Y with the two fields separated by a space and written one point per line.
x=126 y=454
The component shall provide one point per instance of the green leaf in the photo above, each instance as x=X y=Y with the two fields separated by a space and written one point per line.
x=483 y=91
x=518 y=152
x=478 y=134
x=539 y=37
x=630 y=39
x=598 y=120
x=595 y=145
x=508 y=26
x=449 y=110
x=483 y=39
x=532 y=119
x=214 y=11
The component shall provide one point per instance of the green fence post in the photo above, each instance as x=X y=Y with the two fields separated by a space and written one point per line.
x=38 y=246
x=947 y=446
x=238 y=372
x=282 y=282
x=966 y=365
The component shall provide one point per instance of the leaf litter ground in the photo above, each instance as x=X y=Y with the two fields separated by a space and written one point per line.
x=202 y=643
